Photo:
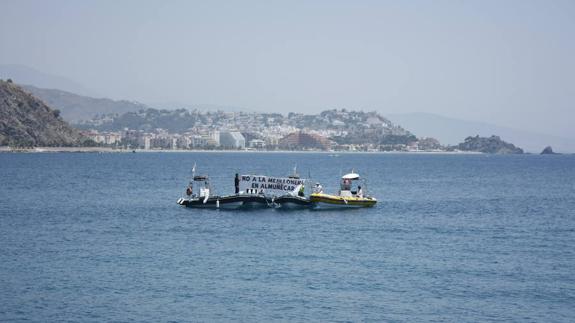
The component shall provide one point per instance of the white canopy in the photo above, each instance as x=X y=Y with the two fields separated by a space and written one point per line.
x=351 y=176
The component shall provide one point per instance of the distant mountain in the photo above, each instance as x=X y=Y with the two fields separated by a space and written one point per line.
x=488 y=145
x=174 y=121
x=27 y=75
x=173 y=105
x=26 y=121
x=76 y=108
x=451 y=131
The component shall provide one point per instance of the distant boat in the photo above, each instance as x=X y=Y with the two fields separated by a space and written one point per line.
x=292 y=202
x=295 y=199
x=346 y=197
x=205 y=199
x=200 y=194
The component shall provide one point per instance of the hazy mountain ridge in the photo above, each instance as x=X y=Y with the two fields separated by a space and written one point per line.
x=75 y=107
x=173 y=105
x=26 y=121
x=22 y=74
x=451 y=131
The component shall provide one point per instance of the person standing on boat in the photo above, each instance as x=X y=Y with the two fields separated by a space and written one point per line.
x=190 y=189
x=301 y=191
x=237 y=183
x=359 y=192
x=318 y=188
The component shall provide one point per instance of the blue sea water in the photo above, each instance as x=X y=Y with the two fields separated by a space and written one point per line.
x=454 y=238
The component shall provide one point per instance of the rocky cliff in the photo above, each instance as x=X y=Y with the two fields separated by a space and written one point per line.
x=26 y=121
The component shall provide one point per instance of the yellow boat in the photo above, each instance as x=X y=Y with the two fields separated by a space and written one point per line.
x=346 y=197
x=334 y=200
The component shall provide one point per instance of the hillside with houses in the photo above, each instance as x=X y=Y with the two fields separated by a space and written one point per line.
x=128 y=127
x=185 y=129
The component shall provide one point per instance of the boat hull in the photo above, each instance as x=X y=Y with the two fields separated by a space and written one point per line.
x=227 y=202
x=293 y=202
x=316 y=200
x=335 y=201
x=254 y=201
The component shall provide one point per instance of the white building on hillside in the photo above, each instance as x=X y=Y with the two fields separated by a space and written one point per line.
x=232 y=139
x=215 y=136
x=257 y=143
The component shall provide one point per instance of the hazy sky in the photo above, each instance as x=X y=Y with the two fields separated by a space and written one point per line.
x=506 y=62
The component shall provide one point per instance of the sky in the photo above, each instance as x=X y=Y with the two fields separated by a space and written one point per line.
x=511 y=63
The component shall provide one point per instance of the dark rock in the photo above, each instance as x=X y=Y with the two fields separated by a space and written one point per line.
x=490 y=145
x=548 y=151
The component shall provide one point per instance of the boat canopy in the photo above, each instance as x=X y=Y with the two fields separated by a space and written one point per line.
x=351 y=176
x=200 y=178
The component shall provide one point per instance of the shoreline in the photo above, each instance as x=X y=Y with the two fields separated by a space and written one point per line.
x=6 y=149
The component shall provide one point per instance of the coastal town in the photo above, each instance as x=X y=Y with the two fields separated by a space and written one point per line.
x=31 y=123
x=181 y=129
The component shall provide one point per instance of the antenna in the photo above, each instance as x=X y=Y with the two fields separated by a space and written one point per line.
x=193 y=172
x=294 y=174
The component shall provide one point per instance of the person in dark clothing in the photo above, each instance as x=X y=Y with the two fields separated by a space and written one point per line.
x=237 y=183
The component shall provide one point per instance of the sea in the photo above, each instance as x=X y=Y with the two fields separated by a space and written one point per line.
x=98 y=237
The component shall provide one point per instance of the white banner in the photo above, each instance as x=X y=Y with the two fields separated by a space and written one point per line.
x=269 y=185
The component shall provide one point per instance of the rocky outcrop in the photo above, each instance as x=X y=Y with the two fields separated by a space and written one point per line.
x=548 y=151
x=26 y=121
x=489 y=145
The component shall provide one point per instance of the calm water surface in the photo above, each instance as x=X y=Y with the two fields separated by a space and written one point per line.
x=99 y=237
